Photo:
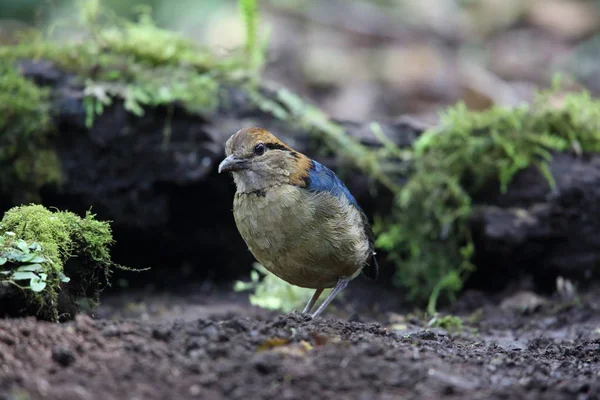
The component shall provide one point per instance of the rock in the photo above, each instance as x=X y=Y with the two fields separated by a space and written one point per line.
x=162 y=333
x=535 y=230
x=63 y=355
x=524 y=302
x=567 y=19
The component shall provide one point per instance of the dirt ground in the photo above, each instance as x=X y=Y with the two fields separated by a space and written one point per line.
x=208 y=343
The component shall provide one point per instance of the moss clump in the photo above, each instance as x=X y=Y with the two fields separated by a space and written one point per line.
x=27 y=161
x=427 y=234
x=49 y=240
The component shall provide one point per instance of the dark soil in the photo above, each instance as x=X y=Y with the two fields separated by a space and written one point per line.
x=215 y=346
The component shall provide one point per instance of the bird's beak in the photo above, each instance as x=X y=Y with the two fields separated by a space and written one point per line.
x=231 y=163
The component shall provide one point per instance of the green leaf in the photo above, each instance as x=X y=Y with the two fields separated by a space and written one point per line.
x=270 y=303
x=21 y=257
x=63 y=278
x=12 y=255
x=132 y=105
x=3 y=260
x=36 y=259
x=35 y=246
x=22 y=275
x=22 y=245
x=27 y=257
x=99 y=107
x=113 y=75
x=37 y=284
x=30 y=267
x=240 y=286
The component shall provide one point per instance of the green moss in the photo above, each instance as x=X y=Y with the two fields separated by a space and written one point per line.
x=427 y=235
x=143 y=42
x=26 y=159
x=54 y=238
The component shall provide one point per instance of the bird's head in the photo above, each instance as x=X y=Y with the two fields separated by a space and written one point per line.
x=258 y=160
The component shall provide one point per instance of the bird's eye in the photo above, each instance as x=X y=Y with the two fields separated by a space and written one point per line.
x=259 y=149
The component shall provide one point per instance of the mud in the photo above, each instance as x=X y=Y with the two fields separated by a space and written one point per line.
x=212 y=345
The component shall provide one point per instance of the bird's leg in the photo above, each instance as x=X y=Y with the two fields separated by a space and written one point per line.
x=342 y=283
x=312 y=301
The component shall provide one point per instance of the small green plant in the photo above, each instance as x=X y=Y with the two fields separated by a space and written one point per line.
x=451 y=323
x=273 y=293
x=27 y=263
x=35 y=246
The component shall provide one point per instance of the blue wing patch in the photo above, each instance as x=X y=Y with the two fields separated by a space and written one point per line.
x=322 y=179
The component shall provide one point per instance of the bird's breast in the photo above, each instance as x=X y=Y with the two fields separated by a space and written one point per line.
x=308 y=239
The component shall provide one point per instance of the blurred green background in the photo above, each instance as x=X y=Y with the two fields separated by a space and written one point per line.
x=380 y=59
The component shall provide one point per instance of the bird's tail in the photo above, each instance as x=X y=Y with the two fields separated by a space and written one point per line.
x=371 y=270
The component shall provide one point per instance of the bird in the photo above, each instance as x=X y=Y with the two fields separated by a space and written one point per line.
x=296 y=216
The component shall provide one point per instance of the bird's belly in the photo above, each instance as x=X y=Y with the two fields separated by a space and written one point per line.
x=296 y=241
